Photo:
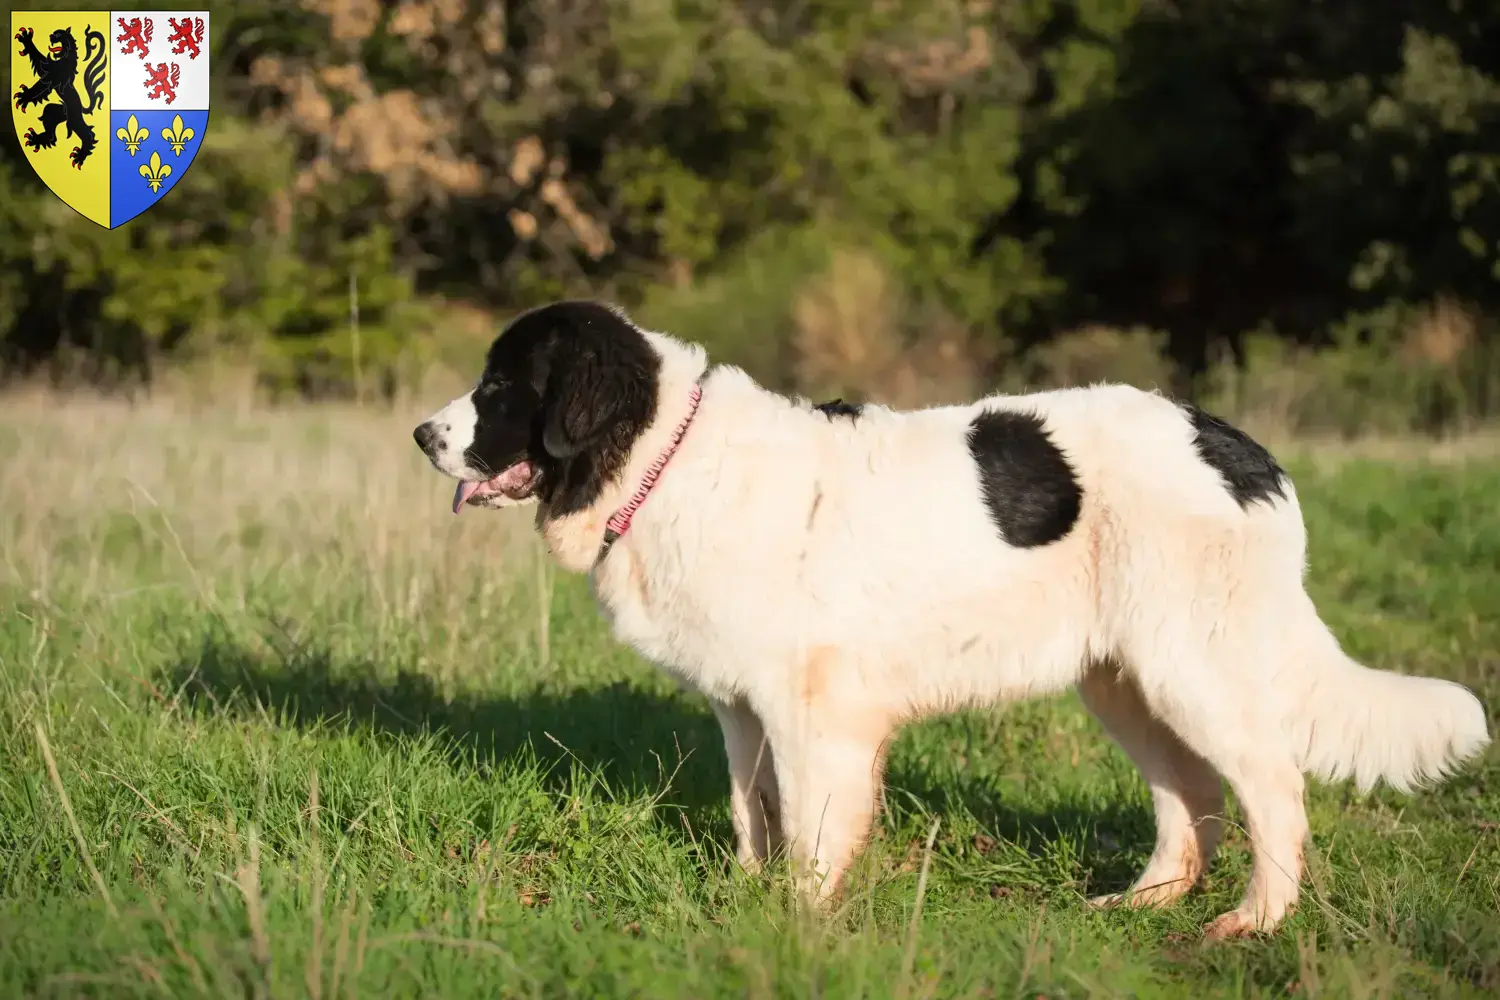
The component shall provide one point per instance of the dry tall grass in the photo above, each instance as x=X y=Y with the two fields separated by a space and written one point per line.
x=99 y=499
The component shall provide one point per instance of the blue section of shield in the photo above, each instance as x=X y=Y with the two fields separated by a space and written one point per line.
x=131 y=173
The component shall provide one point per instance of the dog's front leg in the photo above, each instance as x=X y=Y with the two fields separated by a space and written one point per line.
x=754 y=799
x=829 y=765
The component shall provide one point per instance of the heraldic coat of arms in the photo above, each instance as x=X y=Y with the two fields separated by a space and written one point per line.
x=110 y=106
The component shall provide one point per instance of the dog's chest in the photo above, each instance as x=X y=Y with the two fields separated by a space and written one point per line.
x=653 y=607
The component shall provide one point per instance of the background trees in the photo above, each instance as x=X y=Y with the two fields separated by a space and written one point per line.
x=911 y=198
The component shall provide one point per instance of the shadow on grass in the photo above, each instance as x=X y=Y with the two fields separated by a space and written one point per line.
x=637 y=741
x=1108 y=842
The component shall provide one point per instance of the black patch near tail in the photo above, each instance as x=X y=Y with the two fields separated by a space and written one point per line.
x=839 y=408
x=1249 y=472
x=1028 y=486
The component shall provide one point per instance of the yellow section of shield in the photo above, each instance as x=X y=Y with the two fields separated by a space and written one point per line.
x=59 y=101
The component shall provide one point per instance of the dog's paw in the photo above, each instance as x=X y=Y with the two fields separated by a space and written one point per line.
x=1235 y=924
x=1141 y=897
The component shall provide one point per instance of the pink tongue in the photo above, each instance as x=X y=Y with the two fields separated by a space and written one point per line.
x=462 y=494
x=508 y=482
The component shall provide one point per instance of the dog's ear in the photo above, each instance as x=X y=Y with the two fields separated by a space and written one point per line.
x=588 y=393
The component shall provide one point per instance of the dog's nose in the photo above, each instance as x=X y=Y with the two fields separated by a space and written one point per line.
x=425 y=435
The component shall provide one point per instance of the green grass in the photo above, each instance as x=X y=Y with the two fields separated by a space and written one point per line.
x=323 y=739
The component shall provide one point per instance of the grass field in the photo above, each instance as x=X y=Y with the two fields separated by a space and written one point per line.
x=275 y=724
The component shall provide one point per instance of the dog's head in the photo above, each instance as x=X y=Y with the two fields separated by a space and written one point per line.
x=566 y=390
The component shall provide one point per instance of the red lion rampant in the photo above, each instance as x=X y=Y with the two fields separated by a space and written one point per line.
x=187 y=34
x=162 y=83
x=135 y=36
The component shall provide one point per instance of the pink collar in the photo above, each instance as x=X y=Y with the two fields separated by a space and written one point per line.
x=619 y=521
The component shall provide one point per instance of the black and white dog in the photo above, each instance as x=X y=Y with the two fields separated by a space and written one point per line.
x=824 y=574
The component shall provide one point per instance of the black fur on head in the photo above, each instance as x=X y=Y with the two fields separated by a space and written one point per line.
x=569 y=386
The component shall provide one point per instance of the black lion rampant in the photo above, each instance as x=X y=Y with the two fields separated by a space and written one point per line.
x=57 y=74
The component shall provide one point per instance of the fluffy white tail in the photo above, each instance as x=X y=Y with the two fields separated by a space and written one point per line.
x=1348 y=720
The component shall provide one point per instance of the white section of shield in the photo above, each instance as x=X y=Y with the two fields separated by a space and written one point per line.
x=129 y=74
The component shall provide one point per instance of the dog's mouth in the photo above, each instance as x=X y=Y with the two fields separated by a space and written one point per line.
x=518 y=482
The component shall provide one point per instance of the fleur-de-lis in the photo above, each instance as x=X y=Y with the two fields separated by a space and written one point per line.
x=156 y=171
x=132 y=135
x=177 y=135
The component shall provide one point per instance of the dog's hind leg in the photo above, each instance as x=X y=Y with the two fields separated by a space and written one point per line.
x=1218 y=701
x=1198 y=613
x=1187 y=793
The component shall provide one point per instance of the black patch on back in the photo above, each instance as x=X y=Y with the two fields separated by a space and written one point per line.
x=1028 y=486
x=1249 y=472
x=839 y=408
x=571 y=386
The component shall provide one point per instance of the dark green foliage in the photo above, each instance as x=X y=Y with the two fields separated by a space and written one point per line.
x=1209 y=169
x=1202 y=169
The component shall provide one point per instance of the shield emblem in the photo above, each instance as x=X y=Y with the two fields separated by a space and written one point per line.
x=110 y=106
